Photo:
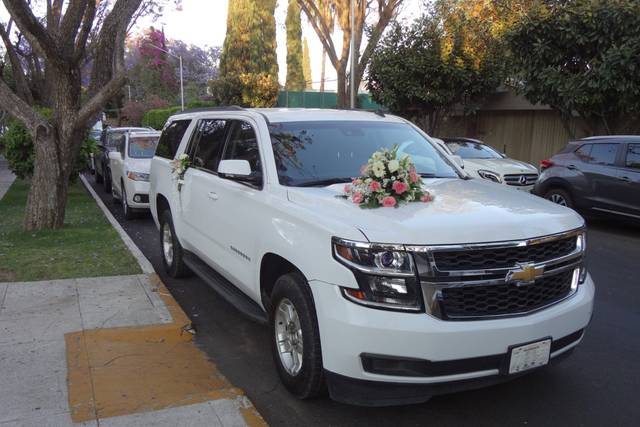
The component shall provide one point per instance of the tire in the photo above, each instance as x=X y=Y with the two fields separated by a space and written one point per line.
x=174 y=265
x=128 y=212
x=98 y=177
x=302 y=376
x=106 y=180
x=560 y=197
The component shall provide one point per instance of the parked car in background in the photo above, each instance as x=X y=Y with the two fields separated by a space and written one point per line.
x=129 y=167
x=483 y=161
x=383 y=306
x=109 y=141
x=599 y=174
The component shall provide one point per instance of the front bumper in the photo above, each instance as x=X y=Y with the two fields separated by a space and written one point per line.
x=139 y=189
x=525 y=188
x=349 y=331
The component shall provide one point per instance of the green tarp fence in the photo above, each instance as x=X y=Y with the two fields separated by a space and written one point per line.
x=321 y=100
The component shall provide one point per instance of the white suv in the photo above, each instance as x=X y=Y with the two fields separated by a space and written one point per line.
x=381 y=306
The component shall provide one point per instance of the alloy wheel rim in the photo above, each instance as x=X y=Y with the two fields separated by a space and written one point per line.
x=557 y=198
x=167 y=244
x=288 y=336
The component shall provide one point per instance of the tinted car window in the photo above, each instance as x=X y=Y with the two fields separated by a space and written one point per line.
x=633 y=156
x=171 y=138
x=307 y=152
x=142 y=147
x=472 y=150
x=112 y=142
x=243 y=145
x=584 y=152
x=603 y=154
x=208 y=144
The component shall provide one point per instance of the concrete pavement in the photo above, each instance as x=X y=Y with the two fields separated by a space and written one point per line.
x=109 y=351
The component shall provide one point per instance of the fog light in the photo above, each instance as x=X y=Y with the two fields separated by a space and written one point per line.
x=136 y=198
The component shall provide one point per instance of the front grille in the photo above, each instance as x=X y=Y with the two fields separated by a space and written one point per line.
x=505 y=257
x=497 y=300
x=521 y=180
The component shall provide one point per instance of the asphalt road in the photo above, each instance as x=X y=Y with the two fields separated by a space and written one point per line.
x=598 y=385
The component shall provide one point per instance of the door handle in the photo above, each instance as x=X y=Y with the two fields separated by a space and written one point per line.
x=625 y=179
x=572 y=167
x=212 y=195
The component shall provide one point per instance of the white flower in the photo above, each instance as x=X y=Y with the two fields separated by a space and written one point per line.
x=393 y=165
x=378 y=169
x=183 y=156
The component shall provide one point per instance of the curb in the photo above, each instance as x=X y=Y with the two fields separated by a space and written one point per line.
x=143 y=262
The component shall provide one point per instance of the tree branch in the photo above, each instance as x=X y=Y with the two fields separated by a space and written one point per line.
x=22 y=86
x=321 y=29
x=71 y=22
x=85 y=30
x=19 y=109
x=34 y=32
x=92 y=107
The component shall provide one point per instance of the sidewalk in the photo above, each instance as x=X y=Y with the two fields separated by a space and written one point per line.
x=108 y=351
x=6 y=176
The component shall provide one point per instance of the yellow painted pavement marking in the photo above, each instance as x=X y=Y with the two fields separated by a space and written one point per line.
x=121 y=371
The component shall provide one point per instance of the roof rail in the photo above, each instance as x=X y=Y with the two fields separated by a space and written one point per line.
x=205 y=109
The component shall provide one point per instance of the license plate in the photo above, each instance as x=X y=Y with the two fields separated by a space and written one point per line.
x=529 y=356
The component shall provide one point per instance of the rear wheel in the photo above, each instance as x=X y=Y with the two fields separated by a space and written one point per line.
x=98 y=177
x=172 y=253
x=560 y=197
x=106 y=184
x=295 y=337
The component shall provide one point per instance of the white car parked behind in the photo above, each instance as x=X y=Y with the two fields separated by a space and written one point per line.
x=130 y=167
x=481 y=160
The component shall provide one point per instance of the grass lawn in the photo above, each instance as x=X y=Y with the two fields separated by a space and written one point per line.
x=87 y=245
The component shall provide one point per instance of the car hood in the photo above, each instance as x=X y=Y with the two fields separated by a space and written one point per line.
x=471 y=211
x=138 y=165
x=501 y=166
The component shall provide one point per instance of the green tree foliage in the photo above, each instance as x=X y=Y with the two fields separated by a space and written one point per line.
x=295 y=75
x=582 y=56
x=248 y=65
x=424 y=70
x=306 y=65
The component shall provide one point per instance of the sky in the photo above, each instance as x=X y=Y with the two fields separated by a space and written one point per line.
x=204 y=23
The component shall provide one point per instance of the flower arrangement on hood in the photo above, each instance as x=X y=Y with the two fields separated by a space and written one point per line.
x=387 y=181
x=178 y=168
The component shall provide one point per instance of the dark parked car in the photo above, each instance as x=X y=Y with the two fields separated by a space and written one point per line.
x=109 y=141
x=600 y=173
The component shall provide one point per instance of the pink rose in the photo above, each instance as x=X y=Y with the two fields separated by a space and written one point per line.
x=399 y=187
x=347 y=188
x=375 y=186
x=357 y=181
x=413 y=176
x=389 y=202
x=357 y=198
x=426 y=197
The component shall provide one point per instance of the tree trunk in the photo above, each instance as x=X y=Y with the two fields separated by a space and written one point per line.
x=323 y=69
x=343 y=87
x=48 y=194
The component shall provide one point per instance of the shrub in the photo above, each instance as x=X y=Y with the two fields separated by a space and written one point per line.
x=20 y=153
x=157 y=118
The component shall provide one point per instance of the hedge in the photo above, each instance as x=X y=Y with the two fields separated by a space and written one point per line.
x=157 y=118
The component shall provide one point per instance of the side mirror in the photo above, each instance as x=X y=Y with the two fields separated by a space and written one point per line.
x=458 y=160
x=114 y=155
x=234 y=168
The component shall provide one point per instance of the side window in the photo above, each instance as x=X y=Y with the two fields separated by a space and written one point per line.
x=632 y=159
x=243 y=145
x=604 y=154
x=584 y=152
x=121 y=145
x=209 y=142
x=171 y=138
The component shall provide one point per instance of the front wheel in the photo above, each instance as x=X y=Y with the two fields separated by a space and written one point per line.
x=128 y=213
x=295 y=337
x=559 y=196
x=172 y=253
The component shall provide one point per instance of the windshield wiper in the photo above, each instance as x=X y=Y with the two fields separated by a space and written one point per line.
x=324 y=182
x=427 y=175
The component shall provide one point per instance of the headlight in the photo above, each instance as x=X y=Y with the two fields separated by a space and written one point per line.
x=581 y=245
x=385 y=275
x=137 y=176
x=491 y=176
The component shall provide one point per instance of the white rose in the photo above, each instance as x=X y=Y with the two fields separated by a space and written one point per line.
x=393 y=165
x=378 y=169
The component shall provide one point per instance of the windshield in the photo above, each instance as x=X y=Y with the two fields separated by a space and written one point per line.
x=323 y=152
x=143 y=147
x=473 y=150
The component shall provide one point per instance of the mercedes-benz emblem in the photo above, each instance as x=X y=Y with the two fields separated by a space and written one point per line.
x=523 y=180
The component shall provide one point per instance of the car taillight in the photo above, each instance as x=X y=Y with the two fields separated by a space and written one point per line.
x=546 y=163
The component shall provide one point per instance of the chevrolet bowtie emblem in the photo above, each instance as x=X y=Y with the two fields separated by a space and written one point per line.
x=524 y=274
